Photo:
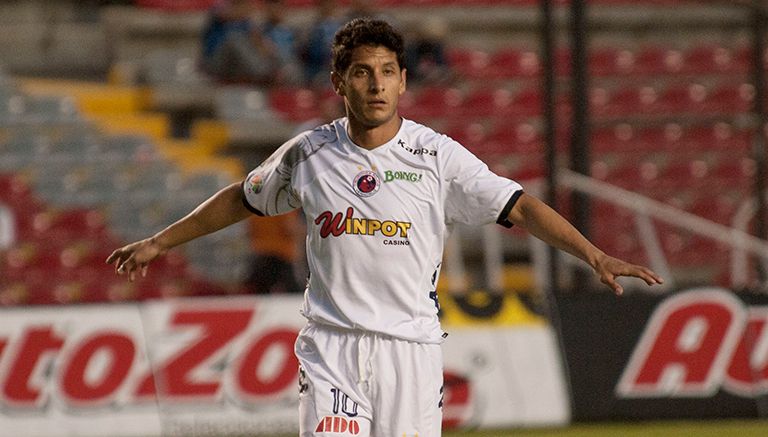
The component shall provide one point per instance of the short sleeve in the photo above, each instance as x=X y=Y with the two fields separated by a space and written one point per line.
x=474 y=194
x=267 y=190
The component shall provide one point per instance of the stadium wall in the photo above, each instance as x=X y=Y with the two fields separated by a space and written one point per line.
x=225 y=366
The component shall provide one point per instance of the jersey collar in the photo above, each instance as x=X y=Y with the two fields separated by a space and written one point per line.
x=342 y=124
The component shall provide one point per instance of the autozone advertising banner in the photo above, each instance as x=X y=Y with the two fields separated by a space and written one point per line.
x=699 y=353
x=212 y=367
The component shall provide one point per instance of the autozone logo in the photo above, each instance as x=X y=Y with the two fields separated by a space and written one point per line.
x=696 y=343
x=105 y=366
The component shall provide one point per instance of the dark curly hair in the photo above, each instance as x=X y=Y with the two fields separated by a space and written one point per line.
x=365 y=32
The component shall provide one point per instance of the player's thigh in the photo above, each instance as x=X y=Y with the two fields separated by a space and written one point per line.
x=326 y=411
x=408 y=397
x=330 y=398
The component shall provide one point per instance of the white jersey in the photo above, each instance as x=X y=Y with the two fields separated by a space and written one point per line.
x=377 y=220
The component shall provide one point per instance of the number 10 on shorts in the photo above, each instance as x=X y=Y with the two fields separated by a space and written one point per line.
x=342 y=402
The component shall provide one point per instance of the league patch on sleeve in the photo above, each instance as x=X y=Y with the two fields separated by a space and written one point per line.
x=255 y=183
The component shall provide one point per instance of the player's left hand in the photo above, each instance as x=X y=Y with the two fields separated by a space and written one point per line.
x=609 y=268
x=135 y=257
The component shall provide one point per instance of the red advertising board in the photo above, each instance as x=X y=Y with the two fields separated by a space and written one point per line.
x=226 y=366
x=696 y=353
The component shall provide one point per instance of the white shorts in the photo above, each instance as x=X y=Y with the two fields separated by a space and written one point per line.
x=356 y=383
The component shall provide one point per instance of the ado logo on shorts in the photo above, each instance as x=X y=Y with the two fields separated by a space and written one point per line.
x=338 y=424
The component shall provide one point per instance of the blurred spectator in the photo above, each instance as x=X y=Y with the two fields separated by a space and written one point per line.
x=233 y=48
x=366 y=8
x=425 y=57
x=315 y=48
x=276 y=242
x=283 y=39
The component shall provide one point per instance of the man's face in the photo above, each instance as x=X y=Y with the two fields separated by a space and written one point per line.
x=371 y=86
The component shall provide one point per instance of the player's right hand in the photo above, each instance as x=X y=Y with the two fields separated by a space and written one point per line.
x=135 y=257
x=609 y=268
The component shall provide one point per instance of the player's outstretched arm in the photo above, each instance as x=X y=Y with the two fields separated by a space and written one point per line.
x=219 y=211
x=546 y=224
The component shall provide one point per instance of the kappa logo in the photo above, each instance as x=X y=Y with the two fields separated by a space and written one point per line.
x=339 y=425
x=419 y=151
x=696 y=343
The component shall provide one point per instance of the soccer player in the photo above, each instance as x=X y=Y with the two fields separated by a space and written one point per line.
x=379 y=193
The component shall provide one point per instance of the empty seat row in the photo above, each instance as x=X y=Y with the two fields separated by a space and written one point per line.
x=672 y=137
x=605 y=61
x=526 y=136
x=676 y=99
x=627 y=101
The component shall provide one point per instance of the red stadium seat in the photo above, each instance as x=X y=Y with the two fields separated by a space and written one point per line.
x=14 y=293
x=62 y=225
x=666 y=138
x=613 y=231
x=25 y=255
x=634 y=173
x=120 y=290
x=624 y=137
x=657 y=60
x=531 y=167
x=720 y=136
x=528 y=102
x=15 y=192
x=488 y=101
x=176 y=5
x=39 y=287
x=736 y=172
x=605 y=139
x=510 y=63
x=296 y=104
x=688 y=173
x=519 y=138
x=470 y=134
x=610 y=61
x=629 y=101
x=742 y=58
x=436 y=102
x=469 y=63
x=708 y=59
x=733 y=98
x=685 y=249
x=718 y=207
x=683 y=99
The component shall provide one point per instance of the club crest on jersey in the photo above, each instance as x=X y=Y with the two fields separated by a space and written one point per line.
x=366 y=183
